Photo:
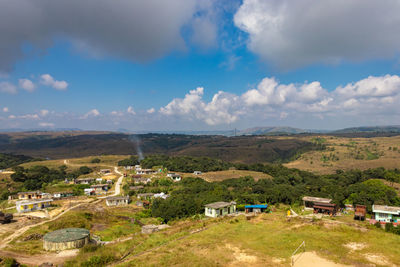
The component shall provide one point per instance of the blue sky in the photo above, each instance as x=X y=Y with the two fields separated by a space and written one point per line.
x=198 y=65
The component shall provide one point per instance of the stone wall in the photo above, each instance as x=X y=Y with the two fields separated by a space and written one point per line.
x=54 y=246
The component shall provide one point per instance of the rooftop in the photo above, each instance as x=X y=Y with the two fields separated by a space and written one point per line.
x=256 y=206
x=66 y=235
x=386 y=209
x=118 y=198
x=34 y=201
x=30 y=192
x=218 y=205
x=317 y=199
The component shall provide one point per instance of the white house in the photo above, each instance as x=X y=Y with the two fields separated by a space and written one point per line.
x=117 y=201
x=386 y=213
x=161 y=195
x=138 y=167
x=197 y=172
x=146 y=171
x=217 y=209
x=174 y=176
x=32 y=205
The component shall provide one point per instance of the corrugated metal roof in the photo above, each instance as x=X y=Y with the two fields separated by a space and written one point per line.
x=317 y=199
x=221 y=204
x=256 y=206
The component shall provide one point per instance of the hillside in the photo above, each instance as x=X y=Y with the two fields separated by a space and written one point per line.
x=343 y=153
x=246 y=149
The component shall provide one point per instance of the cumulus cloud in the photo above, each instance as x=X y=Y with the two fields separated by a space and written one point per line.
x=291 y=34
x=48 y=80
x=44 y=112
x=133 y=30
x=27 y=85
x=116 y=113
x=9 y=88
x=91 y=113
x=130 y=110
x=151 y=110
x=374 y=95
x=5 y=109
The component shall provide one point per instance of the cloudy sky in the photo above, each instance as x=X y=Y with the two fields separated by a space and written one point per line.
x=199 y=64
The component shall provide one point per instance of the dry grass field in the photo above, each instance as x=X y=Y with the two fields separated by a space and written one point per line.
x=223 y=175
x=349 y=153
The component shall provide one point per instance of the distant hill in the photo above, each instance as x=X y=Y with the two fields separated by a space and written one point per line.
x=272 y=131
x=246 y=149
x=373 y=129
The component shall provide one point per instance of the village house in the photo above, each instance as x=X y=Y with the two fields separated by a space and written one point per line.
x=62 y=194
x=138 y=167
x=128 y=168
x=117 y=201
x=31 y=195
x=89 y=191
x=99 y=180
x=105 y=171
x=100 y=188
x=386 y=213
x=309 y=201
x=217 y=209
x=146 y=171
x=256 y=208
x=325 y=208
x=146 y=196
x=141 y=180
x=32 y=205
x=85 y=180
x=174 y=176
x=197 y=172
x=161 y=195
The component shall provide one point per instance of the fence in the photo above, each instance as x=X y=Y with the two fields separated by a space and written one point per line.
x=302 y=245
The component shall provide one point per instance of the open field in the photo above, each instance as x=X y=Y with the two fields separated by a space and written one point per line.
x=350 y=153
x=223 y=175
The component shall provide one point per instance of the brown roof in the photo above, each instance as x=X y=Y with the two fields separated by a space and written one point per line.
x=317 y=199
x=218 y=205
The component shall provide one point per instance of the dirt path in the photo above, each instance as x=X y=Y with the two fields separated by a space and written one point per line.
x=311 y=259
x=36 y=260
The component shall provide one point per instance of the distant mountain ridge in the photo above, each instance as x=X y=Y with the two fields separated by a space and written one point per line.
x=370 y=129
x=272 y=130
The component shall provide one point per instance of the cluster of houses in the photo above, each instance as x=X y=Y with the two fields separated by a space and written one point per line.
x=88 y=180
x=36 y=200
x=97 y=189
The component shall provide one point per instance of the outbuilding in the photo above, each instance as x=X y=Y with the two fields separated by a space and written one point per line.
x=217 y=209
x=310 y=201
x=69 y=238
x=325 y=208
x=117 y=201
x=256 y=208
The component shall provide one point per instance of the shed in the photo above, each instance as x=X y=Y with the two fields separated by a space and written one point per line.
x=256 y=208
x=146 y=196
x=325 y=208
x=309 y=201
x=117 y=201
x=217 y=209
x=69 y=238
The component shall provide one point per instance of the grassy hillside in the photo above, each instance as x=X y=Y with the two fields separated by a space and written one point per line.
x=343 y=153
x=246 y=149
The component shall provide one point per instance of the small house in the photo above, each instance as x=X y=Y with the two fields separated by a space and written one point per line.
x=100 y=188
x=128 y=168
x=117 y=201
x=146 y=171
x=138 y=167
x=85 y=180
x=99 y=180
x=217 y=209
x=324 y=208
x=141 y=180
x=89 y=191
x=256 y=208
x=310 y=201
x=386 y=213
x=197 y=172
x=161 y=195
x=62 y=194
x=145 y=196
x=30 y=195
x=360 y=212
x=32 y=205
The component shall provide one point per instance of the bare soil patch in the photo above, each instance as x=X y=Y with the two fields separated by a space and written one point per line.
x=312 y=259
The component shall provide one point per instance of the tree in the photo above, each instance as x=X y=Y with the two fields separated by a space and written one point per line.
x=85 y=170
x=96 y=160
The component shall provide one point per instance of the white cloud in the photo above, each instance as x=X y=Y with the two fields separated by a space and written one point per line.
x=130 y=110
x=151 y=110
x=91 y=113
x=29 y=117
x=117 y=113
x=44 y=112
x=374 y=95
x=6 y=87
x=291 y=34
x=27 y=85
x=48 y=80
x=46 y=124
x=5 y=109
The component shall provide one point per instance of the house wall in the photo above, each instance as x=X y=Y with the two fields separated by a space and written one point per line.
x=210 y=212
x=383 y=217
x=32 y=207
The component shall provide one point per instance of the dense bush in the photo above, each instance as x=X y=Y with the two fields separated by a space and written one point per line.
x=131 y=161
x=95 y=160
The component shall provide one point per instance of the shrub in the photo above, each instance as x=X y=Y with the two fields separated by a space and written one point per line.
x=96 y=160
x=378 y=225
